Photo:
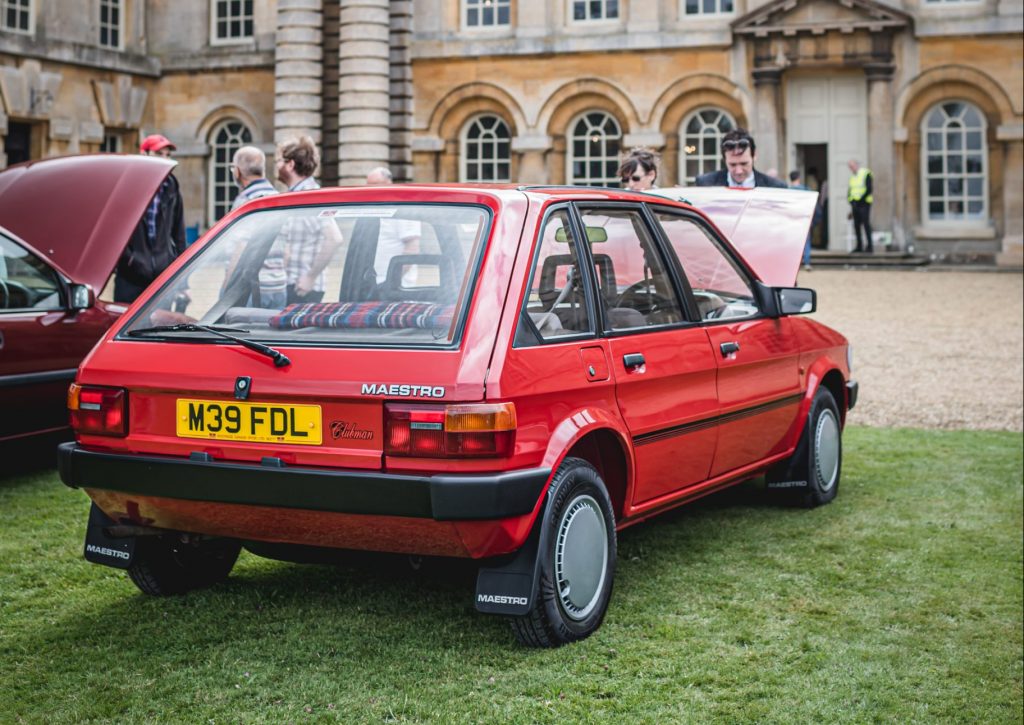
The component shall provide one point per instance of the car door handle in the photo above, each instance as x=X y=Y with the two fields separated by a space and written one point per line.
x=728 y=348
x=633 y=360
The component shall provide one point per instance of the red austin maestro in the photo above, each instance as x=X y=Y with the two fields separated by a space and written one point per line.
x=507 y=374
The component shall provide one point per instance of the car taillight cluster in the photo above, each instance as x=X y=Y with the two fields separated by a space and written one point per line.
x=98 y=411
x=450 y=431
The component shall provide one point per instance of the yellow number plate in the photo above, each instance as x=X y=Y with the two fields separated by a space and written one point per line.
x=255 y=422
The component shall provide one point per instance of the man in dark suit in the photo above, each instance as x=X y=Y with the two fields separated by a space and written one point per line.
x=739 y=153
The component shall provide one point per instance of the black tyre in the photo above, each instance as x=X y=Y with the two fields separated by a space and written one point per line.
x=577 y=560
x=165 y=565
x=817 y=463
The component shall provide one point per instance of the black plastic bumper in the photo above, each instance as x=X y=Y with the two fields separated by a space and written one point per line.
x=441 y=497
x=851 y=394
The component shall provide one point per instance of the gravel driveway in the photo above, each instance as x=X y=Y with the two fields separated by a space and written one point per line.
x=931 y=348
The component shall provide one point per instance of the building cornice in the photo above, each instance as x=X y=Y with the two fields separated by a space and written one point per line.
x=79 y=54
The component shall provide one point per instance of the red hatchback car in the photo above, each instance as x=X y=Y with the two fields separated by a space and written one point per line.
x=507 y=374
x=63 y=225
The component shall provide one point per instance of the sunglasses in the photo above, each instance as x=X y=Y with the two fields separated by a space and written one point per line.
x=740 y=145
x=634 y=178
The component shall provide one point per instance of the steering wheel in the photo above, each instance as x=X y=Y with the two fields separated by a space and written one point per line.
x=642 y=297
x=12 y=291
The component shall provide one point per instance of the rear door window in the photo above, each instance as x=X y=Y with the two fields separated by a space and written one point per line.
x=556 y=302
x=636 y=289
x=398 y=274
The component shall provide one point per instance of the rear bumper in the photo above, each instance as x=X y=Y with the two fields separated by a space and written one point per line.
x=440 y=497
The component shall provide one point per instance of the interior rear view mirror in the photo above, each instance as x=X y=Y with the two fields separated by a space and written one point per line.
x=595 y=235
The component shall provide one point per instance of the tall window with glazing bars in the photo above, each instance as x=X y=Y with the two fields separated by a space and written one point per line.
x=110 y=24
x=232 y=20
x=487 y=13
x=16 y=15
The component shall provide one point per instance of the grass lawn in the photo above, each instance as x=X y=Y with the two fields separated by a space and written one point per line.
x=901 y=601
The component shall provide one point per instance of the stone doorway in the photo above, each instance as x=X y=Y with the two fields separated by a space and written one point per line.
x=830 y=111
x=812 y=163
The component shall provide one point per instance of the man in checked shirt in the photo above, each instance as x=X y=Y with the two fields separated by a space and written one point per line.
x=309 y=243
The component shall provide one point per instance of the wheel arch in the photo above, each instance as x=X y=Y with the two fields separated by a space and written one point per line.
x=833 y=381
x=599 y=438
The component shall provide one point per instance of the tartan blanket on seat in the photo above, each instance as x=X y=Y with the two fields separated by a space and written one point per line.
x=391 y=315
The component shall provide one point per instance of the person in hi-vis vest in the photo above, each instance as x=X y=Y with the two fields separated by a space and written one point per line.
x=860 y=199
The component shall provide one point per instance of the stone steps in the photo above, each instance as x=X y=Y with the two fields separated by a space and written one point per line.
x=899 y=259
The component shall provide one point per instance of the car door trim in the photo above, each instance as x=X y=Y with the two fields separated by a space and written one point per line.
x=721 y=419
x=48 y=376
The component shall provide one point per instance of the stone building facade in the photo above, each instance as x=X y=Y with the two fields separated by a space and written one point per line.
x=928 y=93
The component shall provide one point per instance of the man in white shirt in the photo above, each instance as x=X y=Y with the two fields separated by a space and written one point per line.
x=397 y=236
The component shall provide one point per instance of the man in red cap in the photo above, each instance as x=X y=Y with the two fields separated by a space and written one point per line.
x=159 y=237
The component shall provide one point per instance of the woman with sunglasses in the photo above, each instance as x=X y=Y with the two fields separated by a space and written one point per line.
x=739 y=153
x=640 y=170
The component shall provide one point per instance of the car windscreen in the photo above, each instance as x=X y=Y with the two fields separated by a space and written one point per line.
x=366 y=274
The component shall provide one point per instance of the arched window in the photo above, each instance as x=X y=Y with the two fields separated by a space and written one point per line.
x=954 y=163
x=595 y=140
x=485 y=150
x=701 y=134
x=225 y=138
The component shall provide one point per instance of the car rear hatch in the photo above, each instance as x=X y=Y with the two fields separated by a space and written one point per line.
x=413 y=330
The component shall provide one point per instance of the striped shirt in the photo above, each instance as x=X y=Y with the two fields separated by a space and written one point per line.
x=253 y=190
x=271 y=275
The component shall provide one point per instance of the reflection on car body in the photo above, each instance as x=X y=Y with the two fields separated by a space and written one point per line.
x=563 y=363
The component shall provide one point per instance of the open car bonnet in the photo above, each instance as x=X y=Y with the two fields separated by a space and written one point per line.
x=768 y=227
x=79 y=211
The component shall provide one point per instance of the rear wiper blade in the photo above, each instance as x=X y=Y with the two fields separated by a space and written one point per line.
x=279 y=358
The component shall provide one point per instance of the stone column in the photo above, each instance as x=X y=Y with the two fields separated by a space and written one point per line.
x=532 y=149
x=767 y=129
x=298 y=89
x=364 y=75
x=881 y=152
x=1011 y=253
x=400 y=102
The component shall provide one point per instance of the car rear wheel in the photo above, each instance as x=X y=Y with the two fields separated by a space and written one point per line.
x=577 y=560
x=817 y=463
x=166 y=565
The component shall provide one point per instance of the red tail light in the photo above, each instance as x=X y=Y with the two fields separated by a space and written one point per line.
x=450 y=431
x=98 y=411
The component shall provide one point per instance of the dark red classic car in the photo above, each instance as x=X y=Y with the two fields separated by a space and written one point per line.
x=63 y=225
x=508 y=374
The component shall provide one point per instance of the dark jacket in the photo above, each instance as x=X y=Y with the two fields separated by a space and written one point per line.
x=721 y=178
x=144 y=259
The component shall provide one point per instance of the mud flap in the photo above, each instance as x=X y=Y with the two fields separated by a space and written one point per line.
x=103 y=549
x=509 y=587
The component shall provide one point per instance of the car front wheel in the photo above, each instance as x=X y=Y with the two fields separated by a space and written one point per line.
x=577 y=560
x=814 y=469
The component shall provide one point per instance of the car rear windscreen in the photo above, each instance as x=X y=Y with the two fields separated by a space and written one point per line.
x=369 y=274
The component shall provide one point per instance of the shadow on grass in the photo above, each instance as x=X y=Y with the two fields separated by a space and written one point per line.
x=35 y=454
x=376 y=604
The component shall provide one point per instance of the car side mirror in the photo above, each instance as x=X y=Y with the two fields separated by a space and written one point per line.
x=80 y=297
x=781 y=301
x=796 y=300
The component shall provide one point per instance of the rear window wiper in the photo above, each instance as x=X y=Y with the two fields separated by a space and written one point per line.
x=279 y=358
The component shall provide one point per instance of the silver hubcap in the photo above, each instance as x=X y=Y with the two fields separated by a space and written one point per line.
x=581 y=557
x=826 y=449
